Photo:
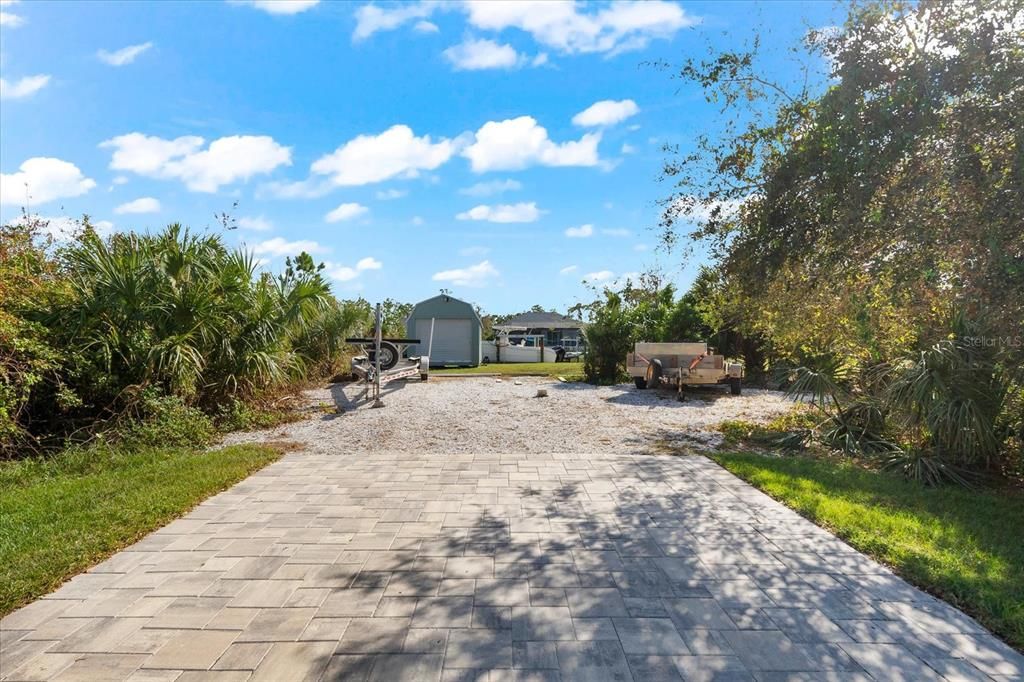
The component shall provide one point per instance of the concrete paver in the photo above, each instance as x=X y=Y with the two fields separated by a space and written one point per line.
x=567 y=566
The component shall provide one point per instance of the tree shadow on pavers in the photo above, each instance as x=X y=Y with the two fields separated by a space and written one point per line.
x=633 y=551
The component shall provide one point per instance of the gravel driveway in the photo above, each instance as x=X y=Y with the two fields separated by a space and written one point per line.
x=481 y=415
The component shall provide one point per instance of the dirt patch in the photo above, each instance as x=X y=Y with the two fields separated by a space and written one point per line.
x=487 y=415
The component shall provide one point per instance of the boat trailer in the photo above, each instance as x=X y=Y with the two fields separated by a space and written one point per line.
x=384 y=360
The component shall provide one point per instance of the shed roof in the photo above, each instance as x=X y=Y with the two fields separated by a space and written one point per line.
x=548 y=320
x=445 y=298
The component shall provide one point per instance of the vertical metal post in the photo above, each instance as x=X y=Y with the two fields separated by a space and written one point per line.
x=377 y=332
x=430 y=341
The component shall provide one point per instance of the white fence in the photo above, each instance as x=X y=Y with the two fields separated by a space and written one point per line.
x=489 y=350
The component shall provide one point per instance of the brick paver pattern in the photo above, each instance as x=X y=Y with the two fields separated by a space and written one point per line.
x=494 y=567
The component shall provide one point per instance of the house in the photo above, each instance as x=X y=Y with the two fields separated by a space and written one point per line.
x=456 y=328
x=546 y=329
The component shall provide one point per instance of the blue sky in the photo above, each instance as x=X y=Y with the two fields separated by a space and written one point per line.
x=501 y=150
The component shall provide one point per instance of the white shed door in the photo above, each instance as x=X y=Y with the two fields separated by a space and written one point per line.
x=451 y=341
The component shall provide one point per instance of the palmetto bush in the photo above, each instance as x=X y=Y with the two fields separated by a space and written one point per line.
x=182 y=312
x=939 y=414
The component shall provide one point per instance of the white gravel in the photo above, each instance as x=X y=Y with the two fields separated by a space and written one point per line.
x=485 y=415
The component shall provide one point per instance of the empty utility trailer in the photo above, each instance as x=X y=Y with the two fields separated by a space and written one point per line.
x=677 y=365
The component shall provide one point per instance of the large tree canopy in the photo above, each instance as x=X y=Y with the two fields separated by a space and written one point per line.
x=856 y=219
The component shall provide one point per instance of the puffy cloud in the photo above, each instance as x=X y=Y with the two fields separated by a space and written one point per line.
x=389 y=194
x=345 y=273
x=580 y=232
x=141 y=205
x=605 y=113
x=279 y=6
x=473 y=276
x=617 y=27
x=126 y=55
x=477 y=55
x=568 y=270
x=23 y=87
x=42 y=179
x=516 y=143
x=417 y=220
x=426 y=27
x=503 y=213
x=369 y=263
x=371 y=18
x=225 y=161
x=345 y=212
x=568 y=27
x=628 y=148
x=599 y=276
x=279 y=246
x=396 y=152
x=7 y=18
x=256 y=224
x=486 y=189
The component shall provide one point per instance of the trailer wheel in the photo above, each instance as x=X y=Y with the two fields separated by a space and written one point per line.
x=654 y=372
x=735 y=386
x=640 y=382
x=389 y=355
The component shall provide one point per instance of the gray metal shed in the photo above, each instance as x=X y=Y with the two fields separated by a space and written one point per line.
x=457 y=329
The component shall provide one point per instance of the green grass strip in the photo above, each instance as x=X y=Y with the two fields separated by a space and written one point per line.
x=962 y=546
x=572 y=371
x=61 y=515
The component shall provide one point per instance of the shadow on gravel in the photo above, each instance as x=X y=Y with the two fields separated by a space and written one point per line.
x=350 y=396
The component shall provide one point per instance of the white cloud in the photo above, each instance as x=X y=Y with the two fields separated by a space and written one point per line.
x=279 y=246
x=120 y=180
x=473 y=276
x=540 y=60
x=628 y=148
x=616 y=27
x=43 y=179
x=279 y=6
x=126 y=55
x=580 y=232
x=371 y=18
x=389 y=194
x=616 y=232
x=426 y=27
x=345 y=212
x=345 y=273
x=605 y=113
x=516 y=143
x=396 y=152
x=8 y=19
x=568 y=270
x=23 y=87
x=599 y=276
x=486 y=189
x=369 y=263
x=141 y=205
x=477 y=55
x=417 y=220
x=256 y=224
x=225 y=161
x=503 y=213
x=471 y=251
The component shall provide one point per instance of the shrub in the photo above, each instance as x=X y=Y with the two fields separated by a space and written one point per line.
x=166 y=422
x=609 y=338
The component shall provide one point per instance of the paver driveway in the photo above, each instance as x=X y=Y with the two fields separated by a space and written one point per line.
x=540 y=567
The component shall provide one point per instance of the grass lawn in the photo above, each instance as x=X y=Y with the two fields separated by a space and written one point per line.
x=572 y=371
x=965 y=547
x=61 y=515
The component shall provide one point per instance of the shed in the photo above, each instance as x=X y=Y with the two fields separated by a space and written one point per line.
x=457 y=329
